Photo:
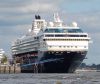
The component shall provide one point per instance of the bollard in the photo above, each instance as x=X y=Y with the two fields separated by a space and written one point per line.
x=4 y=69
x=9 y=69
x=14 y=68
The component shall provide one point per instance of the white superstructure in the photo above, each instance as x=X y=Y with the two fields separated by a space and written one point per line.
x=52 y=36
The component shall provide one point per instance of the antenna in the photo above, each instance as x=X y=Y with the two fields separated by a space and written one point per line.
x=38 y=6
x=56 y=17
x=29 y=30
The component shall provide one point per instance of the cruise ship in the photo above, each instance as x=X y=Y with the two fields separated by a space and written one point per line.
x=51 y=47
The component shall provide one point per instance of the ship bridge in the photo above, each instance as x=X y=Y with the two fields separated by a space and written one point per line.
x=63 y=30
x=64 y=39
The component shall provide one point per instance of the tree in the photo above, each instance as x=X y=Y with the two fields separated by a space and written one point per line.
x=98 y=67
x=93 y=66
x=83 y=65
x=4 y=59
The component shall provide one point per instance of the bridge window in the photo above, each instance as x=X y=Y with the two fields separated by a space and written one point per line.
x=75 y=31
x=63 y=30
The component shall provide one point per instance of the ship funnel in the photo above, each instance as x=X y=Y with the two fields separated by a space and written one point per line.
x=37 y=17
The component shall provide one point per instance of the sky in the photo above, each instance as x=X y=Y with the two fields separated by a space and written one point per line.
x=16 y=17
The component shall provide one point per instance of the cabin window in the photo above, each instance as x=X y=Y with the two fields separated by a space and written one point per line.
x=49 y=35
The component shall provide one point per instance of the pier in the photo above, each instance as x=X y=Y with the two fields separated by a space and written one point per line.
x=10 y=69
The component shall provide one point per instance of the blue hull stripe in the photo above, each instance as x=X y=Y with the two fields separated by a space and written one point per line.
x=41 y=62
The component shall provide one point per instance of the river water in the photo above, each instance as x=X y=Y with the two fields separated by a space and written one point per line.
x=30 y=78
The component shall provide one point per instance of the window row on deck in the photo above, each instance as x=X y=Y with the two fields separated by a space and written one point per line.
x=61 y=35
x=65 y=39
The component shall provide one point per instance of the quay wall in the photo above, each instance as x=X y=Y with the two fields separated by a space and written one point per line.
x=9 y=69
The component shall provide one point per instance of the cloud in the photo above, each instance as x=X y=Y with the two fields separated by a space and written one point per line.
x=8 y=34
x=20 y=12
x=28 y=6
x=16 y=17
x=31 y=8
x=15 y=20
x=88 y=21
x=17 y=30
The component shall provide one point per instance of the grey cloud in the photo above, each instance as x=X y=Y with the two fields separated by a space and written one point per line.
x=12 y=2
x=89 y=21
x=21 y=3
x=18 y=7
x=15 y=20
x=17 y=30
x=16 y=17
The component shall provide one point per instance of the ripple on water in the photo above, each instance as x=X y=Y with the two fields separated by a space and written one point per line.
x=80 y=78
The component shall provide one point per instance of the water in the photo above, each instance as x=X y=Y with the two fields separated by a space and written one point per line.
x=30 y=78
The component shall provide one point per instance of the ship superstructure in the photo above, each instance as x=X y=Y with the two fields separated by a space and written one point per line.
x=51 y=47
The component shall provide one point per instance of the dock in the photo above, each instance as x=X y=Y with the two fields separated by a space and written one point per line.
x=9 y=69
